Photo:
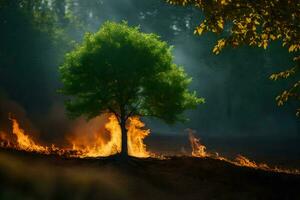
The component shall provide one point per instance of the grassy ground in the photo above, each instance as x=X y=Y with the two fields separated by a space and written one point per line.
x=31 y=176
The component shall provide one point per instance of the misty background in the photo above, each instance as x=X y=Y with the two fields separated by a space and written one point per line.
x=240 y=114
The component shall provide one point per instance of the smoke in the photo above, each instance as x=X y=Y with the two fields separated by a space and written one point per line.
x=10 y=108
x=86 y=132
x=239 y=96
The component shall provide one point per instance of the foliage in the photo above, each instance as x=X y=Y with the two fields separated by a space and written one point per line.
x=123 y=71
x=48 y=16
x=254 y=23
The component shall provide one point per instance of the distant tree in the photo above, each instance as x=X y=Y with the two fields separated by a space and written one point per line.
x=123 y=71
x=254 y=23
x=53 y=17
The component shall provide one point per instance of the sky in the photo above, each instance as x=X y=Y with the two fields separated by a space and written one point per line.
x=240 y=99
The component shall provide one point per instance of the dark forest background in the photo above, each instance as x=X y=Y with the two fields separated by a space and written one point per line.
x=240 y=99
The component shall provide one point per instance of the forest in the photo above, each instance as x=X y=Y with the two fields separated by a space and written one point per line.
x=84 y=81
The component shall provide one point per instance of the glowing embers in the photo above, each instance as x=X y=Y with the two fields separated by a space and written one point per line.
x=4 y=140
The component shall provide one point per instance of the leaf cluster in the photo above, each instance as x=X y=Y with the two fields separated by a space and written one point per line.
x=126 y=72
x=252 y=23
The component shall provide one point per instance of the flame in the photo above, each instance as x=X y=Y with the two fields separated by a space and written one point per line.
x=98 y=143
x=199 y=150
x=99 y=147
x=246 y=162
x=107 y=141
x=136 y=135
x=23 y=140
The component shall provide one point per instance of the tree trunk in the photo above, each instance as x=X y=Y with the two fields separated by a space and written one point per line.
x=124 y=146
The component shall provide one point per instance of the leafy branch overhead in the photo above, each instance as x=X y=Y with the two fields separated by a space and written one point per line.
x=254 y=23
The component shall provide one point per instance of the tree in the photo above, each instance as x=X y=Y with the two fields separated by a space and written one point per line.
x=254 y=23
x=123 y=71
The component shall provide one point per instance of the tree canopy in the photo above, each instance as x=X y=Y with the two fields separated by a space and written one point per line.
x=123 y=71
x=254 y=23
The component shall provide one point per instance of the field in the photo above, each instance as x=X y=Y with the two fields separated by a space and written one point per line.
x=32 y=176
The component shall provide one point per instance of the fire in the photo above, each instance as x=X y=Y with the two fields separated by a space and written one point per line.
x=23 y=140
x=106 y=141
x=199 y=150
x=97 y=145
x=98 y=142
x=244 y=161
x=136 y=136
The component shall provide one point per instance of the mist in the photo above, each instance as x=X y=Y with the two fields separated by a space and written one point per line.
x=240 y=99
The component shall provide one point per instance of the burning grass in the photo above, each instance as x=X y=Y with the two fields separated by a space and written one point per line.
x=99 y=143
x=107 y=141
x=199 y=150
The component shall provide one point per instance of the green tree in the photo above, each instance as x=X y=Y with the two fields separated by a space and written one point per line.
x=123 y=71
x=254 y=23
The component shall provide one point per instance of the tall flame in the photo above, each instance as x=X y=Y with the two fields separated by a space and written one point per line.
x=136 y=136
x=23 y=140
x=99 y=143
x=98 y=147
x=198 y=150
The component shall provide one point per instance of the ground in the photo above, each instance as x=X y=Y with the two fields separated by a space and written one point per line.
x=33 y=176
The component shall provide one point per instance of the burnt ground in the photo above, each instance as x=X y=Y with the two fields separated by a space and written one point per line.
x=33 y=176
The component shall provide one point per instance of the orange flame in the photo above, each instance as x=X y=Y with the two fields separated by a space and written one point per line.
x=136 y=136
x=99 y=143
x=99 y=147
x=246 y=162
x=108 y=142
x=23 y=140
x=199 y=150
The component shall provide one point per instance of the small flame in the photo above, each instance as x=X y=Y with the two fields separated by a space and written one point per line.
x=199 y=150
x=246 y=162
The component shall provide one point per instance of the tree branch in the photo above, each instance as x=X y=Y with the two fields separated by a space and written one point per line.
x=115 y=113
